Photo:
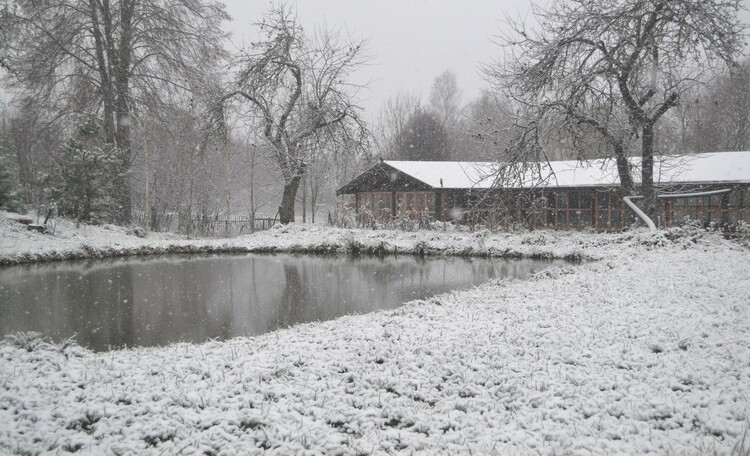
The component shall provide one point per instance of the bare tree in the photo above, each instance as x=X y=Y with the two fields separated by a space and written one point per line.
x=485 y=131
x=298 y=86
x=108 y=57
x=615 y=68
x=719 y=116
x=394 y=115
x=33 y=138
x=445 y=102
x=259 y=181
x=445 y=98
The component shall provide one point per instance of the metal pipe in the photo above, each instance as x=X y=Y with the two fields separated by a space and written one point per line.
x=648 y=220
x=688 y=195
x=639 y=212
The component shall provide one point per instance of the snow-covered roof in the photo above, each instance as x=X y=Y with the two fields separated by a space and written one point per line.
x=449 y=174
x=715 y=167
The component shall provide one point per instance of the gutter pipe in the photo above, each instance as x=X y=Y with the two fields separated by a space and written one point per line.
x=639 y=212
x=647 y=219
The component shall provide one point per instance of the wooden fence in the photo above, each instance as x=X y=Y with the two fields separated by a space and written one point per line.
x=214 y=225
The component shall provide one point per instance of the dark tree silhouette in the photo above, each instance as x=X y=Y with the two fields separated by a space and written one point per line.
x=423 y=137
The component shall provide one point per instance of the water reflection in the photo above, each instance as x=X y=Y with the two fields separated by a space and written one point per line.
x=158 y=300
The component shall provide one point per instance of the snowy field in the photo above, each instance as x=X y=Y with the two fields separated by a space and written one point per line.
x=643 y=350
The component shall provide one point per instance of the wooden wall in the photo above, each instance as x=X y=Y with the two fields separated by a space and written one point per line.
x=595 y=208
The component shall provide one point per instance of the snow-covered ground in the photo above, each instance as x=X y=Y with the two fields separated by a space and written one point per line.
x=19 y=245
x=646 y=350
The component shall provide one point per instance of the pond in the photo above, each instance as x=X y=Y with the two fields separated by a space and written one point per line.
x=155 y=301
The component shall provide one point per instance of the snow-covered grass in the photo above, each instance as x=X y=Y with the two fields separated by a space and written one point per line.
x=19 y=245
x=646 y=350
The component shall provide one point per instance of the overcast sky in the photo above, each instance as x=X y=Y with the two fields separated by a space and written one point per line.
x=412 y=41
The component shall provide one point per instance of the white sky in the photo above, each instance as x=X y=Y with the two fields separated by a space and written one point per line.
x=412 y=41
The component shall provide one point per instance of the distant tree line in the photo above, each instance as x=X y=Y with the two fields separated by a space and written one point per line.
x=714 y=116
x=132 y=112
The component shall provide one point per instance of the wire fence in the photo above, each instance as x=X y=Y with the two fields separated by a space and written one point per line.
x=209 y=225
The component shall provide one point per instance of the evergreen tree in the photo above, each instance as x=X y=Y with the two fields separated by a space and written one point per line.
x=83 y=182
x=423 y=137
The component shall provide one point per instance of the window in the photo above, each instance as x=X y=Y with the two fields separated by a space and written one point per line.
x=586 y=198
x=603 y=198
x=419 y=204
x=574 y=199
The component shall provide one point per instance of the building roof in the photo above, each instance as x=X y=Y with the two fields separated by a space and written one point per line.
x=715 y=167
x=449 y=174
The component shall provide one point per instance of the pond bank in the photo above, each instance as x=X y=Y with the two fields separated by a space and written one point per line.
x=20 y=246
x=643 y=351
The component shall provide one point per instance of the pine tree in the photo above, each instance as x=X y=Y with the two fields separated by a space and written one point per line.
x=83 y=182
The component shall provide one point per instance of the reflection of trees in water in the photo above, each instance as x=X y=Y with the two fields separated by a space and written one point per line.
x=156 y=302
x=320 y=288
x=192 y=301
x=96 y=308
x=384 y=269
x=292 y=298
x=121 y=307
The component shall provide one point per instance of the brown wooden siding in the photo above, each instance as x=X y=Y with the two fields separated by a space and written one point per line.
x=600 y=209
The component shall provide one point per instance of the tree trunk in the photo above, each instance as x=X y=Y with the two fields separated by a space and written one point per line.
x=313 y=199
x=228 y=198
x=286 y=210
x=121 y=184
x=647 y=169
x=304 y=201
x=122 y=70
x=623 y=169
x=252 y=190
x=102 y=42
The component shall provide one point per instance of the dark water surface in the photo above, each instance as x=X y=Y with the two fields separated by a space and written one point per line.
x=158 y=300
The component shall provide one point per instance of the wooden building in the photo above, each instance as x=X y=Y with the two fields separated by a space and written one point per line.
x=558 y=195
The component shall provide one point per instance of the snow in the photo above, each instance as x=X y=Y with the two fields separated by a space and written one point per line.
x=19 y=245
x=643 y=349
x=449 y=174
x=716 y=167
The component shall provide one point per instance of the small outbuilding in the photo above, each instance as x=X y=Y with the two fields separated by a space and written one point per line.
x=708 y=189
